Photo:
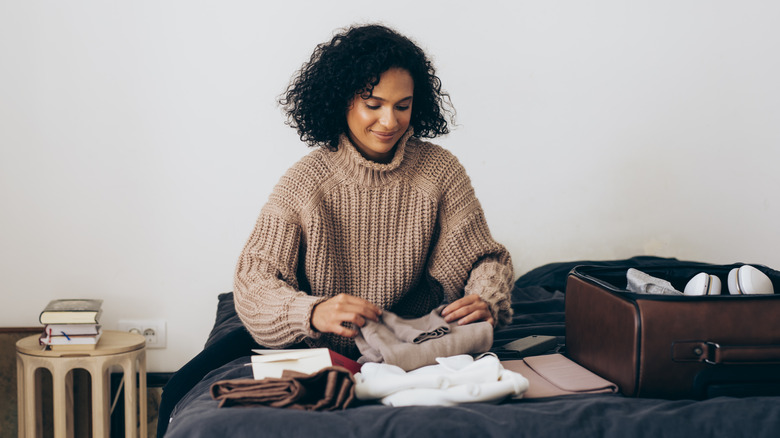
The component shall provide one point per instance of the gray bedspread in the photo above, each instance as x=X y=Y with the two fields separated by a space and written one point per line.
x=187 y=409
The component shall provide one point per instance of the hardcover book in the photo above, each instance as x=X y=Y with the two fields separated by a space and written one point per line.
x=72 y=329
x=72 y=311
x=76 y=347
x=62 y=341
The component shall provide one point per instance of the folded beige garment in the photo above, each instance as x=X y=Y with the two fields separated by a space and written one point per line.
x=378 y=343
x=552 y=375
x=417 y=330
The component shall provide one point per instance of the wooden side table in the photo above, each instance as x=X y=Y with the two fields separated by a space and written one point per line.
x=126 y=350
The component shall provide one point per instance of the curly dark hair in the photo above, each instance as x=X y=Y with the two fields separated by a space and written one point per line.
x=319 y=95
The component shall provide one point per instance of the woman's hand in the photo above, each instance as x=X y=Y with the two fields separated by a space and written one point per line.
x=328 y=315
x=471 y=308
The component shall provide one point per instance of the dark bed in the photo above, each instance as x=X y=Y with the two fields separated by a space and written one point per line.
x=187 y=409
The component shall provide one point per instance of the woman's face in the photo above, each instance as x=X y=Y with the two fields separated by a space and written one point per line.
x=377 y=122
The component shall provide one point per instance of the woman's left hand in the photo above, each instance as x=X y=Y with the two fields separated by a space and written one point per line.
x=471 y=308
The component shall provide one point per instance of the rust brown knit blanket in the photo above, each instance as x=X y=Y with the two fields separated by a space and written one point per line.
x=329 y=389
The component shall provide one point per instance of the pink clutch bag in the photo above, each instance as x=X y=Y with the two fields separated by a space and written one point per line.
x=552 y=375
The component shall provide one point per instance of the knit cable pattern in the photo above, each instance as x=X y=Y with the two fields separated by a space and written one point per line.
x=403 y=235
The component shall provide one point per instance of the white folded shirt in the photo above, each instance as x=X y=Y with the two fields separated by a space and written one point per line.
x=454 y=380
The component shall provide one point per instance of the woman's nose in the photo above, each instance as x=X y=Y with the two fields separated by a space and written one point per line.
x=388 y=119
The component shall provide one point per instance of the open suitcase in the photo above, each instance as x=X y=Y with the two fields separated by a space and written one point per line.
x=671 y=346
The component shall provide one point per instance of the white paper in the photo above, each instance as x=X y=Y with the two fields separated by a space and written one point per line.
x=271 y=363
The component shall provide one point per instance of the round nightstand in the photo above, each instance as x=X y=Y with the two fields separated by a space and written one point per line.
x=126 y=350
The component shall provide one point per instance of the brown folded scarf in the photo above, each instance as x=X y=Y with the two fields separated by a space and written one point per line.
x=328 y=389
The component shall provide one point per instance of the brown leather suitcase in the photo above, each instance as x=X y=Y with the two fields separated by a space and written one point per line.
x=669 y=346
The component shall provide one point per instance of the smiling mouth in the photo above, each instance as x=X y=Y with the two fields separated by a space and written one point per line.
x=384 y=135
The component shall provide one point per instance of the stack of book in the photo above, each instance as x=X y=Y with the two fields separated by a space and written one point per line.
x=71 y=324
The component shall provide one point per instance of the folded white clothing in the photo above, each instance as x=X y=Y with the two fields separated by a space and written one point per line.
x=509 y=384
x=454 y=380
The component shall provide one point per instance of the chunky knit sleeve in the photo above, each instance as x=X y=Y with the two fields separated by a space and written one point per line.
x=267 y=295
x=466 y=259
x=267 y=298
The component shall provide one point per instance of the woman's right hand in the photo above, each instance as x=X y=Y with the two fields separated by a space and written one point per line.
x=328 y=315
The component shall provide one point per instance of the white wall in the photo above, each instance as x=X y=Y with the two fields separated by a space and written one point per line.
x=139 y=140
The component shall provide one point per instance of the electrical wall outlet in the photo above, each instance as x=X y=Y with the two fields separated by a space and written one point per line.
x=152 y=329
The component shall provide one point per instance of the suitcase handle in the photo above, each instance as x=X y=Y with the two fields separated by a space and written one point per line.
x=714 y=353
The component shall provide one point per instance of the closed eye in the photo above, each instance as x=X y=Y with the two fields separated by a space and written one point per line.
x=376 y=107
x=375 y=102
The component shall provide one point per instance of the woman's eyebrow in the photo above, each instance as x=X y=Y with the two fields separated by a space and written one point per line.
x=385 y=100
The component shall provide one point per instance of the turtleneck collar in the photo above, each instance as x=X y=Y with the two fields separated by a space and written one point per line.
x=348 y=159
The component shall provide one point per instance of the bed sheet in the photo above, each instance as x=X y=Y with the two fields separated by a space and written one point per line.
x=187 y=409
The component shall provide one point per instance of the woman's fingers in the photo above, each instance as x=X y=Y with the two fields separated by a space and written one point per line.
x=468 y=309
x=329 y=315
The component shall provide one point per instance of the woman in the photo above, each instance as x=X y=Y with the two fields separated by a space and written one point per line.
x=374 y=219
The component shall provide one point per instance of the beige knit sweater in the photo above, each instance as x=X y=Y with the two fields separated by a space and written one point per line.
x=404 y=235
